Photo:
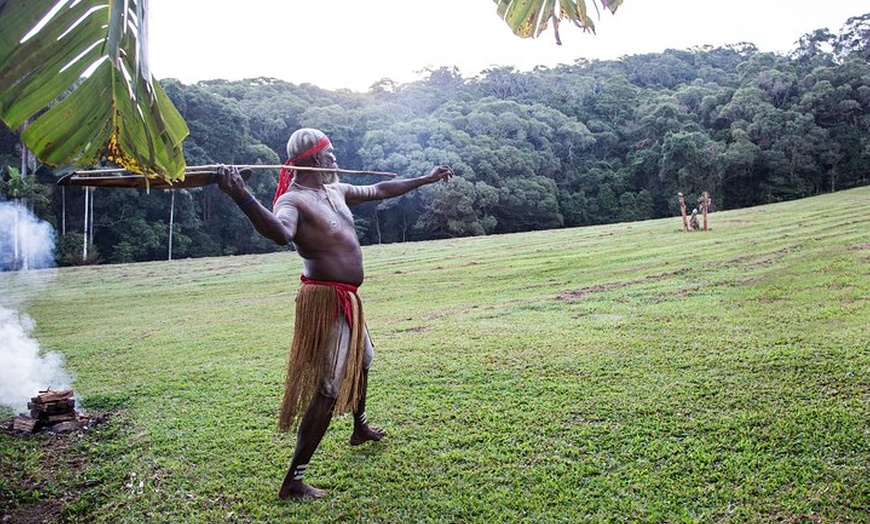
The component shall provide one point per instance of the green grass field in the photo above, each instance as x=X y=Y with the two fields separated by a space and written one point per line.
x=622 y=373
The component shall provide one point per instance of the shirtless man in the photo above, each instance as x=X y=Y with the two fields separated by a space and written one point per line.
x=312 y=210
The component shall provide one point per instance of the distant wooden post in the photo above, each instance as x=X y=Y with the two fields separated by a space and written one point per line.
x=704 y=202
x=171 y=222
x=85 y=228
x=683 y=211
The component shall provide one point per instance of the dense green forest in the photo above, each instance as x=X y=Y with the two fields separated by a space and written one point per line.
x=589 y=143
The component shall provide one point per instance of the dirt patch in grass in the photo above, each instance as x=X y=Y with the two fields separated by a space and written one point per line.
x=755 y=260
x=37 y=513
x=609 y=286
x=40 y=494
x=597 y=288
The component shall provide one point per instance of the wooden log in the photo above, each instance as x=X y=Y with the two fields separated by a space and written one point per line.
x=54 y=419
x=24 y=424
x=52 y=396
x=52 y=408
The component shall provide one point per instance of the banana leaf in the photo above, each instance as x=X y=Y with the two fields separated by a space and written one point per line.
x=530 y=18
x=76 y=73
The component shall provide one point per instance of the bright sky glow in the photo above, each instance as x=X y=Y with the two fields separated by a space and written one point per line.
x=338 y=44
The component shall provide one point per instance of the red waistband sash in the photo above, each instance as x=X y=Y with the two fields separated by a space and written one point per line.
x=342 y=290
x=288 y=172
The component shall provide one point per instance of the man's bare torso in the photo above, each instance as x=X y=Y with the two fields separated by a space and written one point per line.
x=325 y=234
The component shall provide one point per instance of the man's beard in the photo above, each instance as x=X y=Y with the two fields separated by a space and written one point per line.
x=327 y=177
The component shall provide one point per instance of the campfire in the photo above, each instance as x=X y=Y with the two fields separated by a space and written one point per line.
x=52 y=410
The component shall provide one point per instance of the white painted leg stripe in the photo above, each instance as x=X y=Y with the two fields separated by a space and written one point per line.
x=300 y=471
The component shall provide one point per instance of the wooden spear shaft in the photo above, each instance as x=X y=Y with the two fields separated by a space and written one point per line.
x=300 y=168
x=211 y=168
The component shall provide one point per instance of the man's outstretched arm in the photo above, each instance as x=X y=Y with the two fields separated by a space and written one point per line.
x=280 y=228
x=393 y=188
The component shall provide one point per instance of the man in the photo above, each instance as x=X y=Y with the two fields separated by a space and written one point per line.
x=331 y=351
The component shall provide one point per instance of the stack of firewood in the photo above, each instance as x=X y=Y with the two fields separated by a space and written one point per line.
x=47 y=409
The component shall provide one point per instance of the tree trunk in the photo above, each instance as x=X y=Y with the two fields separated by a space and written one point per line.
x=377 y=224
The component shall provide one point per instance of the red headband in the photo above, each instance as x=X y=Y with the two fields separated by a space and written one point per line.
x=288 y=172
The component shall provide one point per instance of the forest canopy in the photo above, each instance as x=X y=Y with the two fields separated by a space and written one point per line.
x=588 y=143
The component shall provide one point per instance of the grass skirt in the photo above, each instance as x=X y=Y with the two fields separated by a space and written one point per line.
x=313 y=357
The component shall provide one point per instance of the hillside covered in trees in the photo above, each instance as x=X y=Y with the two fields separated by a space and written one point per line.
x=589 y=143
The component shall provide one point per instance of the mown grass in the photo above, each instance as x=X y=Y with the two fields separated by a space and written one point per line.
x=630 y=372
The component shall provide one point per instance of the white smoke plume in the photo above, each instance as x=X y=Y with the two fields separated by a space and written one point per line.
x=26 y=246
x=24 y=370
x=25 y=241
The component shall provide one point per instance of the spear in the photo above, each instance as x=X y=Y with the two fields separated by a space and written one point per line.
x=214 y=167
x=194 y=176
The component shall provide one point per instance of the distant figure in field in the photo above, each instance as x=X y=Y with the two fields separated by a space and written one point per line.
x=693 y=222
x=331 y=352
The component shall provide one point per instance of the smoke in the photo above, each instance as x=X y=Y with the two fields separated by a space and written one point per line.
x=25 y=241
x=26 y=249
x=24 y=372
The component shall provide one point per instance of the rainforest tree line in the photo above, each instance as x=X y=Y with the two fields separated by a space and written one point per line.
x=589 y=143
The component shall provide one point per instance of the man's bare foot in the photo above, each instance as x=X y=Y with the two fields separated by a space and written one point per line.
x=296 y=489
x=366 y=433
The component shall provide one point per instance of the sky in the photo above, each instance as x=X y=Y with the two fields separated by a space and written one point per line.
x=351 y=44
